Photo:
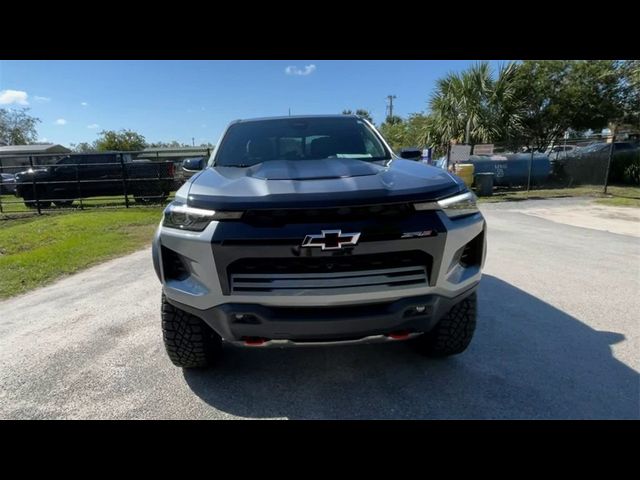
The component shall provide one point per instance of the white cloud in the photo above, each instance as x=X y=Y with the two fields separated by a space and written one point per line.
x=93 y=126
x=60 y=121
x=293 y=70
x=41 y=99
x=84 y=104
x=7 y=97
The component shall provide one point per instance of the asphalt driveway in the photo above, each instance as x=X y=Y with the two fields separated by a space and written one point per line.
x=558 y=337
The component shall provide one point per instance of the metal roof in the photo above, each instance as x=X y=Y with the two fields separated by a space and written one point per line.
x=297 y=117
x=151 y=152
x=174 y=149
x=27 y=149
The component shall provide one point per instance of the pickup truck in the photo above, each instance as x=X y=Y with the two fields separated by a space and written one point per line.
x=93 y=175
x=310 y=230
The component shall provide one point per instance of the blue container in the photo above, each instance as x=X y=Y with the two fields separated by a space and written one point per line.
x=515 y=169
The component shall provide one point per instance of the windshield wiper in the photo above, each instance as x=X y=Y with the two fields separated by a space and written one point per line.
x=241 y=165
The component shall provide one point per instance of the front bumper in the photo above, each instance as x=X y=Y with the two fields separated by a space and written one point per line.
x=205 y=258
x=249 y=324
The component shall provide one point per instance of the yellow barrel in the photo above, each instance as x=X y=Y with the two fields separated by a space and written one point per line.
x=465 y=172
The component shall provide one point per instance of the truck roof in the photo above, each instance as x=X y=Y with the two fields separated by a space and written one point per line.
x=294 y=117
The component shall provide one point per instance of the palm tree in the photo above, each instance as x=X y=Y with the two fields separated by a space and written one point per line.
x=472 y=106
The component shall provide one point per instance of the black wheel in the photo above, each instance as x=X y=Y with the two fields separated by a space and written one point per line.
x=142 y=200
x=30 y=202
x=453 y=333
x=153 y=199
x=33 y=204
x=63 y=203
x=190 y=343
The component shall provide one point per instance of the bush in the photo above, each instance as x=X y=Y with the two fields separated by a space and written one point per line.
x=632 y=173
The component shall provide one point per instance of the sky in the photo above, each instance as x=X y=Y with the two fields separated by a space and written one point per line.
x=193 y=101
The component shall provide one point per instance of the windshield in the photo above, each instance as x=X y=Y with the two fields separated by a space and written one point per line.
x=249 y=143
x=595 y=147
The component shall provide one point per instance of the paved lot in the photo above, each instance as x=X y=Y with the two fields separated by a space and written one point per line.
x=558 y=337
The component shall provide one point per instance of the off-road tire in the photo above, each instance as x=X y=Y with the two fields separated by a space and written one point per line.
x=153 y=199
x=453 y=332
x=33 y=204
x=190 y=343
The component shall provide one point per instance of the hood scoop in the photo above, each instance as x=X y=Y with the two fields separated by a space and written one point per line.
x=312 y=169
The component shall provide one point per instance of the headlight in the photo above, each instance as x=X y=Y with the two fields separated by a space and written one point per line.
x=456 y=206
x=194 y=219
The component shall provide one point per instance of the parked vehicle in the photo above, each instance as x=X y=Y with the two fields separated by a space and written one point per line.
x=92 y=175
x=191 y=166
x=602 y=149
x=588 y=165
x=309 y=230
x=559 y=151
x=7 y=183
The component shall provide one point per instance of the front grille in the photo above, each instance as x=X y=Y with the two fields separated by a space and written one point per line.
x=278 y=217
x=327 y=275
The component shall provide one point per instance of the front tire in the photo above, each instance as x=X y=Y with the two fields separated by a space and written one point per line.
x=453 y=333
x=190 y=343
x=32 y=204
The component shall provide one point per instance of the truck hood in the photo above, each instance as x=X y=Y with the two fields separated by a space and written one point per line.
x=318 y=183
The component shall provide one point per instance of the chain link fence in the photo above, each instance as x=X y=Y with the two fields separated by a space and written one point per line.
x=573 y=162
x=39 y=183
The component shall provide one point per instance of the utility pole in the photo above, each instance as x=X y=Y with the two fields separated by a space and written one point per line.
x=606 y=175
x=390 y=106
x=193 y=141
x=289 y=111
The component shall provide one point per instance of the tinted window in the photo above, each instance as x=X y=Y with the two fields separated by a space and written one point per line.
x=101 y=159
x=66 y=161
x=623 y=146
x=249 y=143
x=596 y=147
x=86 y=159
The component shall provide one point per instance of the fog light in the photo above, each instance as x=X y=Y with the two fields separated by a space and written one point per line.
x=239 y=316
x=421 y=309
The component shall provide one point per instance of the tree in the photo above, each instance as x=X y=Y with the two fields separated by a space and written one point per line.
x=393 y=119
x=473 y=106
x=83 y=147
x=394 y=133
x=411 y=132
x=123 y=140
x=361 y=112
x=630 y=92
x=171 y=144
x=17 y=127
x=553 y=96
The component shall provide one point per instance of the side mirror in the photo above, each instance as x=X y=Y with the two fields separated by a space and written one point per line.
x=411 y=153
x=193 y=164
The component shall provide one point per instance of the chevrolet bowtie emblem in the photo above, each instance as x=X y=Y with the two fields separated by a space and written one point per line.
x=331 y=240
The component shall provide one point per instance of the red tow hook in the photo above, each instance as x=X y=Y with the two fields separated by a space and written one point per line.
x=400 y=335
x=254 y=341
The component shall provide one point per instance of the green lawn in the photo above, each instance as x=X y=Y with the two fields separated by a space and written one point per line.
x=616 y=195
x=14 y=205
x=37 y=249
